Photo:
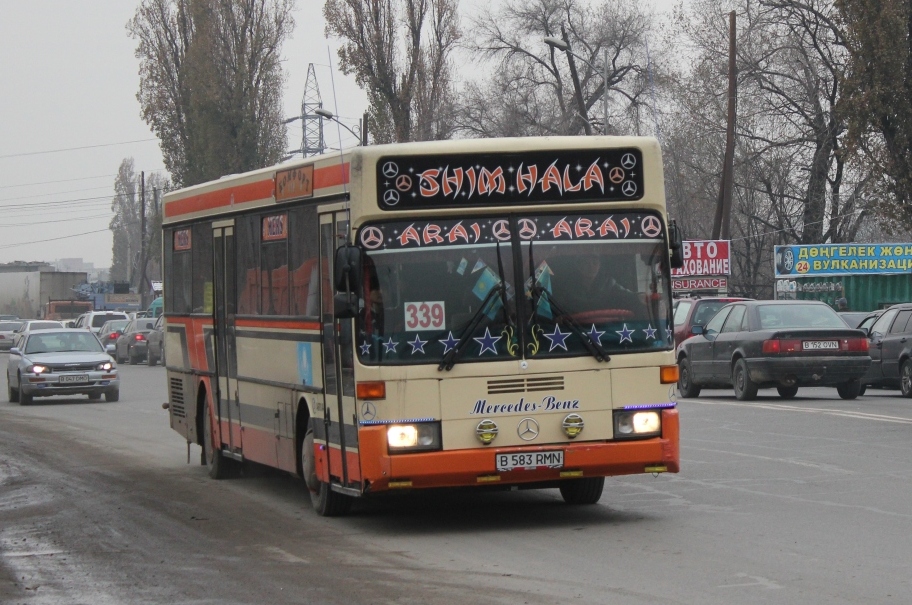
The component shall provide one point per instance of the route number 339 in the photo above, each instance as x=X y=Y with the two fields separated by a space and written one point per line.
x=424 y=315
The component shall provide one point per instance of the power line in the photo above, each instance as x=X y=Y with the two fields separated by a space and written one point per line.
x=62 y=220
x=19 y=155
x=84 y=178
x=31 y=197
x=53 y=239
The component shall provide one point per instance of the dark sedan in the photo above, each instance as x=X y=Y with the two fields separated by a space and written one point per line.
x=784 y=344
x=132 y=343
x=890 y=338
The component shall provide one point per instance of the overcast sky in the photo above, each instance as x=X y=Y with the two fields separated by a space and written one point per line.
x=69 y=80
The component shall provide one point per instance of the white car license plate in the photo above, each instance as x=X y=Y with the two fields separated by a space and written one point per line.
x=530 y=460
x=811 y=345
x=74 y=378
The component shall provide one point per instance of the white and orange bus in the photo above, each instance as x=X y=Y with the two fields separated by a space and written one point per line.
x=428 y=315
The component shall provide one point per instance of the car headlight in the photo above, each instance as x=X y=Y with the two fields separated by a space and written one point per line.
x=36 y=369
x=105 y=366
x=413 y=437
x=637 y=424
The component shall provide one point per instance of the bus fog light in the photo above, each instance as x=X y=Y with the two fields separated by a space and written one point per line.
x=637 y=424
x=419 y=436
x=486 y=431
x=573 y=425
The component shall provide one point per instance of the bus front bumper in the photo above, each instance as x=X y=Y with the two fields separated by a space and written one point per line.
x=474 y=467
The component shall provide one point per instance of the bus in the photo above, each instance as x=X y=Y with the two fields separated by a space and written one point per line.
x=451 y=314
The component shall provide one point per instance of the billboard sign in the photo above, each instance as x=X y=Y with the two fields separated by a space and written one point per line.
x=705 y=258
x=842 y=259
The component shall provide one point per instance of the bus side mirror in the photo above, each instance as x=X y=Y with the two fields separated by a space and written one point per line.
x=347 y=281
x=676 y=243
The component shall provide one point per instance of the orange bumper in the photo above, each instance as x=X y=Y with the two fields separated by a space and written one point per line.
x=460 y=468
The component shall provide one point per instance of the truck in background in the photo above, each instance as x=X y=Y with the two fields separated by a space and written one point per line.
x=66 y=309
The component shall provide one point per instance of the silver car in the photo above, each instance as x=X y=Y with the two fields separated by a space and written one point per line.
x=60 y=362
x=7 y=333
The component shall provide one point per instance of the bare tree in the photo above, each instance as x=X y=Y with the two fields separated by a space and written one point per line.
x=211 y=82
x=532 y=92
x=399 y=52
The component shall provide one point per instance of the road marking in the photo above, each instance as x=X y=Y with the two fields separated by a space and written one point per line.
x=807 y=410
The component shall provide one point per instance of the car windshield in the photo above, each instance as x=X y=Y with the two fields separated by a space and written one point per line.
x=796 y=315
x=706 y=309
x=115 y=326
x=44 y=325
x=100 y=320
x=58 y=342
x=577 y=280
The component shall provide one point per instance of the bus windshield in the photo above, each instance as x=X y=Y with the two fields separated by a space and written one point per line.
x=514 y=287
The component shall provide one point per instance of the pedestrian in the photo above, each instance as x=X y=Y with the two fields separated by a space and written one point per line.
x=842 y=304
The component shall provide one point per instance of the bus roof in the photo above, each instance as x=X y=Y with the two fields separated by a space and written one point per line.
x=333 y=175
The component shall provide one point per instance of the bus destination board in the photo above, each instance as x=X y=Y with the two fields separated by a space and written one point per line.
x=465 y=180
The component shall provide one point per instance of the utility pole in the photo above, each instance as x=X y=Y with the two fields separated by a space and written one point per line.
x=722 y=222
x=581 y=105
x=142 y=241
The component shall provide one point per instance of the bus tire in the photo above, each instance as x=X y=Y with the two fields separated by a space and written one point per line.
x=326 y=502
x=219 y=466
x=745 y=388
x=582 y=491
x=686 y=386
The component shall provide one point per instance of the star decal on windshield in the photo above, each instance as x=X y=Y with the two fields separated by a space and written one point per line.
x=487 y=342
x=650 y=332
x=417 y=344
x=557 y=338
x=626 y=334
x=449 y=343
x=390 y=346
x=365 y=348
x=595 y=335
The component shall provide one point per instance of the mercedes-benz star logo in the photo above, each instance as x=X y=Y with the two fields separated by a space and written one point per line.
x=390 y=169
x=628 y=161
x=391 y=197
x=371 y=238
x=368 y=410
x=403 y=182
x=501 y=230
x=651 y=226
x=629 y=188
x=616 y=175
x=527 y=429
x=527 y=229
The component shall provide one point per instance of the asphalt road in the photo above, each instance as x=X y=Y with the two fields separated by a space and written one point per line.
x=801 y=501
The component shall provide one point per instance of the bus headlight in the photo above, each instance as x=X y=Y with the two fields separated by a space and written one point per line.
x=416 y=437
x=637 y=424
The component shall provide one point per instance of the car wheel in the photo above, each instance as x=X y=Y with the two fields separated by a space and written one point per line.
x=326 y=502
x=13 y=394
x=787 y=392
x=745 y=388
x=112 y=396
x=861 y=391
x=25 y=398
x=94 y=396
x=133 y=358
x=685 y=379
x=150 y=359
x=850 y=389
x=582 y=491
x=905 y=378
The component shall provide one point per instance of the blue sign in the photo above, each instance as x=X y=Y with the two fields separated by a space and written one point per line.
x=843 y=259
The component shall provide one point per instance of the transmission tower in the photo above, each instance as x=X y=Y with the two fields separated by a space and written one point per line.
x=312 y=123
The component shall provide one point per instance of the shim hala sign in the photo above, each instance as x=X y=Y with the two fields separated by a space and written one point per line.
x=705 y=257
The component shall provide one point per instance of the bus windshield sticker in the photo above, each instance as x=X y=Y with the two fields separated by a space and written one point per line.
x=275 y=227
x=482 y=179
x=429 y=315
x=571 y=228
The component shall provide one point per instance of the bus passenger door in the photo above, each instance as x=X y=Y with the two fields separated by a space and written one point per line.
x=338 y=427
x=224 y=345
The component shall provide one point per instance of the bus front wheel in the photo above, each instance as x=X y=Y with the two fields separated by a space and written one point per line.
x=582 y=491
x=219 y=466
x=325 y=501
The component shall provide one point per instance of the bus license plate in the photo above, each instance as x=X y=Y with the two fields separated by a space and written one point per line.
x=530 y=460
x=74 y=378
x=812 y=345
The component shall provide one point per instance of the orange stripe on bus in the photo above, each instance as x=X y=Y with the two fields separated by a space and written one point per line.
x=331 y=176
x=222 y=197
x=282 y=323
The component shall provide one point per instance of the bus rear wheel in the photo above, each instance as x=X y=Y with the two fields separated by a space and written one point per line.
x=325 y=501
x=582 y=491
x=219 y=466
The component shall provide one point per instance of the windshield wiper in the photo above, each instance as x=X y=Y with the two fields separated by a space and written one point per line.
x=449 y=359
x=595 y=349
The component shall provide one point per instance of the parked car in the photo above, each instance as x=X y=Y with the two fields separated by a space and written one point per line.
x=65 y=361
x=7 y=331
x=853 y=318
x=869 y=319
x=758 y=344
x=890 y=342
x=110 y=332
x=37 y=324
x=156 y=343
x=8 y=317
x=132 y=344
x=94 y=320
x=690 y=312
